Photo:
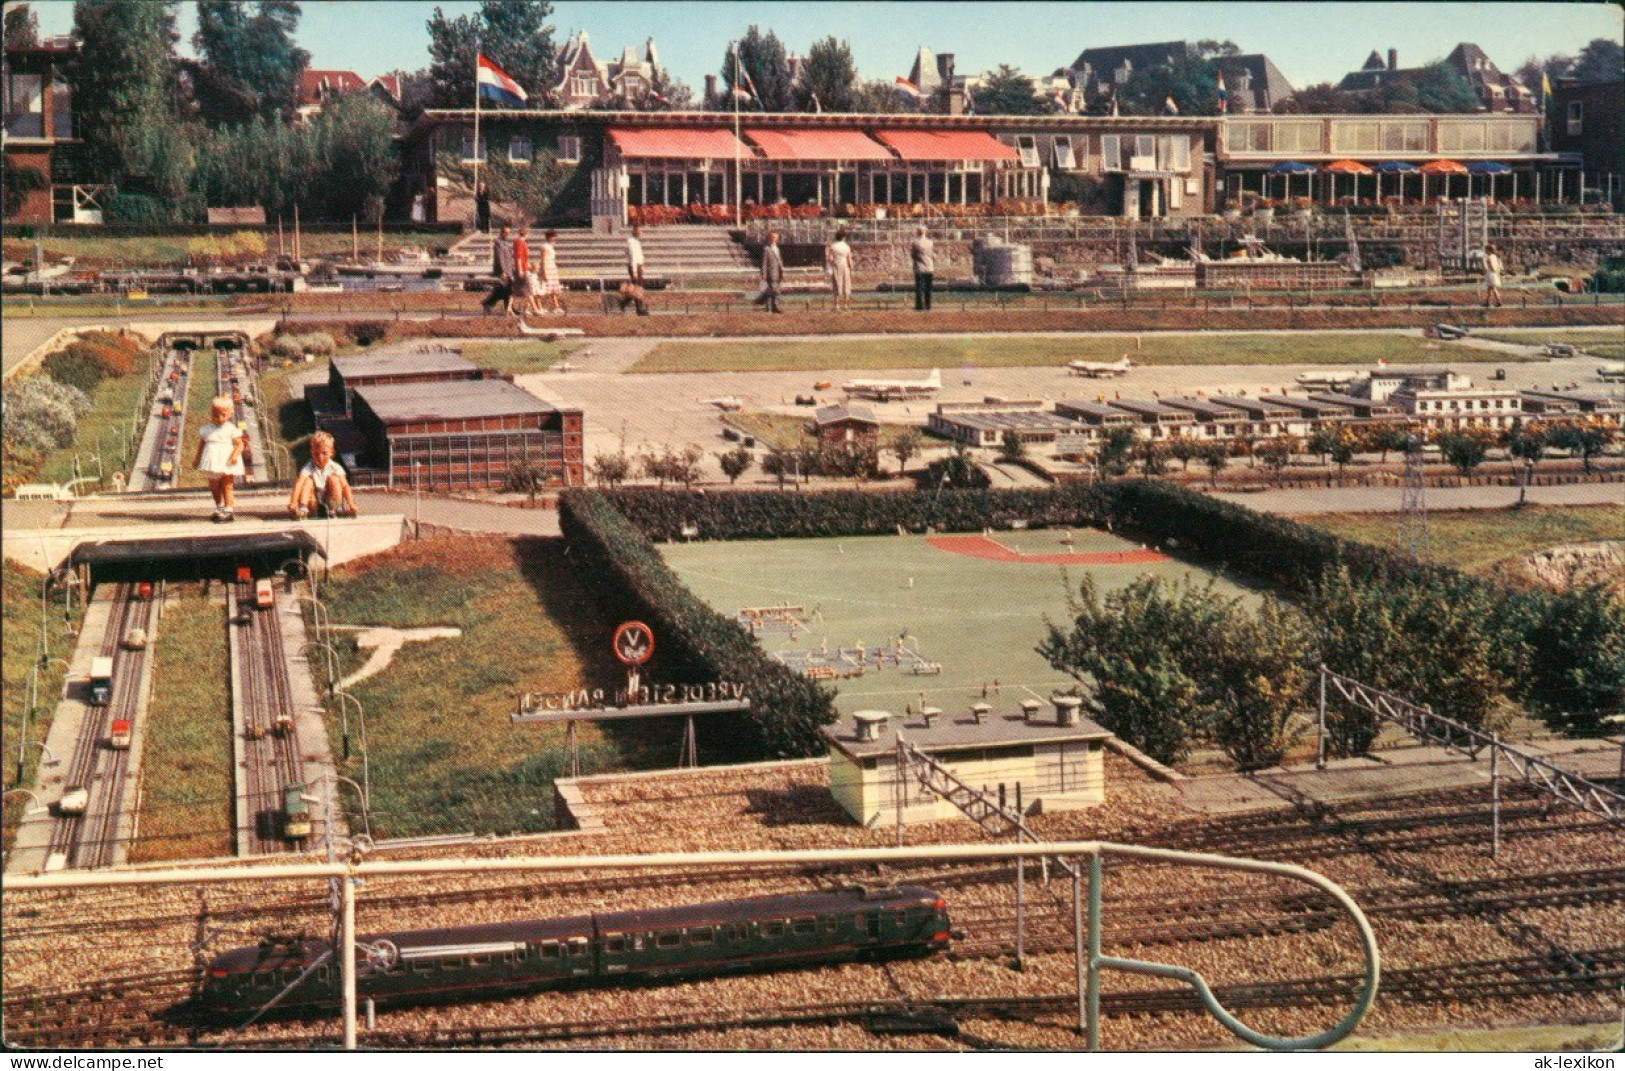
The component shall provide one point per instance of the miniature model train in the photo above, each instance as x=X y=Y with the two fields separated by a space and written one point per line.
x=612 y=948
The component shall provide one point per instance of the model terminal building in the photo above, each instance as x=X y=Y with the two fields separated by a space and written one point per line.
x=1048 y=761
x=431 y=418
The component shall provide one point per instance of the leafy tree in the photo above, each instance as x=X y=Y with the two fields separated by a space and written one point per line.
x=1322 y=98
x=1322 y=442
x=1384 y=437
x=665 y=92
x=253 y=61
x=1215 y=455
x=1135 y=649
x=778 y=463
x=1012 y=448
x=416 y=88
x=735 y=463
x=1601 y=60
x=528 y=477
x=1435 y=89
x=1113 y=456
x=879 y=97
x=1276 y=453
x=513 y=34
x=122 y=99
x=829 y=74
x=905 y=446
x=1580 y=437
x=353 y=148
x=1259 y=680
x=1192 y=80
x=610 y=470
x=21 y=27
x=1185 y=450
x=1007 y=91
x=1578 y=682
x=1463 y=450
x=1153 y=458
x=957 y=470
x=763 y=58
x=1342 y=451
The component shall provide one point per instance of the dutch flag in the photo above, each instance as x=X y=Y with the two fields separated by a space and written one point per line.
x=495 y=85
x=909 y=89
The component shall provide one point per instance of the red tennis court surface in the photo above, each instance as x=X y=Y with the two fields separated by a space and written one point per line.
x=976 y=546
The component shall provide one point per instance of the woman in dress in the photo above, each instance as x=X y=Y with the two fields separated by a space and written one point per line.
x=522 y=275
x=549 y=283
x=838 y=262
x=220 y=446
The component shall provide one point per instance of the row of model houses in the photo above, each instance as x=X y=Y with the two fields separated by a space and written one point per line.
x=1431 y=400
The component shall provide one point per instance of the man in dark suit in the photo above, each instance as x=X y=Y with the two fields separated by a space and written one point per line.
x=772 y=273
x=920 y=253
x=502 y=267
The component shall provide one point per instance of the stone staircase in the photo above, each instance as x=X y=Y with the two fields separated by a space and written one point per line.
x=670 y=252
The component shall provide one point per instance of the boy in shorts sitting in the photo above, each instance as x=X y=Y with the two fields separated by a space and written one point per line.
x=321 y=484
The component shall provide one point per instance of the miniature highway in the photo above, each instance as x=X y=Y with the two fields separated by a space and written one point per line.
x=98 y=838
x=166 y=418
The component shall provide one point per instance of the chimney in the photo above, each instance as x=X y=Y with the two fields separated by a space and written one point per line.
x=930 y=714
x=1029 y=709
x=956 y=98
x=870 y=724
x=710 y=89
x=1066 y=709
x=979 y=712
x=1393 y=59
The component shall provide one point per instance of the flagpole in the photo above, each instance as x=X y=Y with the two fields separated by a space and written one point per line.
x=739 y=205
x=476 y=132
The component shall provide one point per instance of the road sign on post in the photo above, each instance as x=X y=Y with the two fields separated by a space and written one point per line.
x=633 y=643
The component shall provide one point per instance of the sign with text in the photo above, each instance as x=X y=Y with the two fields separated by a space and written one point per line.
x=594 y=700
x=633 y=642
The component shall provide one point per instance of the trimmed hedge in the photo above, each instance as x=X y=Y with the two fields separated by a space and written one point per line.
x=663 y=515
x=694 y=644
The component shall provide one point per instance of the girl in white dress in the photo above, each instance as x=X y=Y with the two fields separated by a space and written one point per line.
x=220 y=446
x=550 y=283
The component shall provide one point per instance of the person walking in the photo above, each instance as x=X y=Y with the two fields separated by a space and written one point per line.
x=920 y=253
x=1492 y=277
x=220 y=446
x=772 y=273
x=547 y=276
x=521 y=272
x=502 y=268
x=634 y=255
x=838 y=262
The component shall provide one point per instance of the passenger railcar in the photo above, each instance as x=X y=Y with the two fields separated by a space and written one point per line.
x=619 y=948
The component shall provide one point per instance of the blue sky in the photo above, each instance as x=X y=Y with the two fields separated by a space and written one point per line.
x=1310 y=42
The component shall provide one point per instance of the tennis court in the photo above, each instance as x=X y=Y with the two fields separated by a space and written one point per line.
x=975 y=605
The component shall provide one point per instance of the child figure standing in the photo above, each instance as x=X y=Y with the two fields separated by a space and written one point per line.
x=220 y=446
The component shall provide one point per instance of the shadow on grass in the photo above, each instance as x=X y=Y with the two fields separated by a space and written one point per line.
x=589 y=610
x=799 y=805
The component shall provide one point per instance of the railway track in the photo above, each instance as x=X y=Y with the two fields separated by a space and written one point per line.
x=271 y=755
x=92 y=839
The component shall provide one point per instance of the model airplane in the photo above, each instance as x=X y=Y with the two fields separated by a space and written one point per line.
x=884 y=390
x=1611 y=371
x=1100 y=369
x=1326 y=380
x=728 y=403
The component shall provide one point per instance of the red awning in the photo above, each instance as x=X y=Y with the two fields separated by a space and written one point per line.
x=817 y=145
x=935 y=145
x=683 y=143
x=1443 y=167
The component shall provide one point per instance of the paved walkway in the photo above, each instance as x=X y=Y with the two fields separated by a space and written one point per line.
x=1393 y=771
x=1387 y=499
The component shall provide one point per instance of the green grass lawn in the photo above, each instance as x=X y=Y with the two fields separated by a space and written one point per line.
x=200 y=391
x=981 y=619
x=1474 y=540
x=20 y=604
x=186 y=804
x=766 y=355
x=789 y=432
x=1605 y=342
x=444 y=755
x=287 y=419
x=522 y=357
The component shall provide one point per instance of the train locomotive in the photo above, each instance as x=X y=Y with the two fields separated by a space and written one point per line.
x=606 y=949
